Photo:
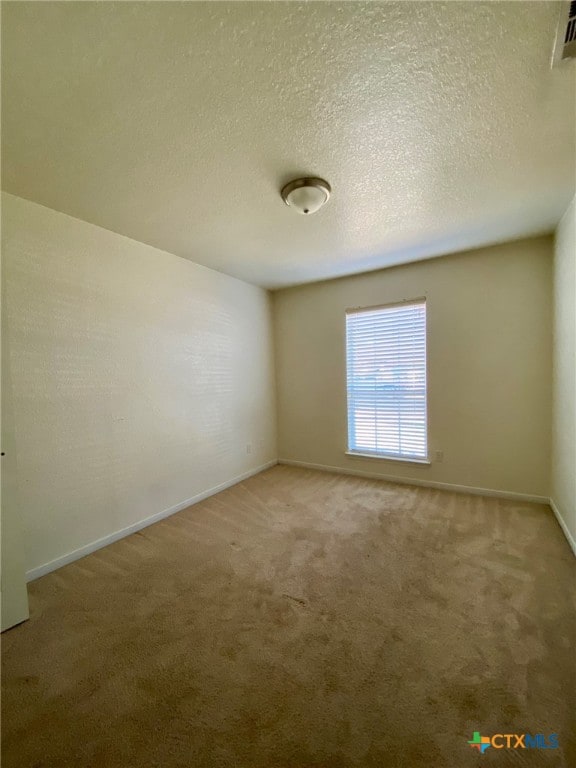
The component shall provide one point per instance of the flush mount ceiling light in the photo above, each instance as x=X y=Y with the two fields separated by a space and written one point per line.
x=306 y=195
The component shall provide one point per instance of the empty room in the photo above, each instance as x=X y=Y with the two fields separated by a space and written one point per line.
x=288 y=384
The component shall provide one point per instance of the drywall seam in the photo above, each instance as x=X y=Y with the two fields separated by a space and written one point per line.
x=564 y=527
x=70 y=557
x=424 y=483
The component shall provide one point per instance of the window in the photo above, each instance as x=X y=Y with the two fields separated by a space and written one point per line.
x=386 y=376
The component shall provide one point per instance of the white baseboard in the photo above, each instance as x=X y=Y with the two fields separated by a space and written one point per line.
x=70 y=557
x=564 y=527
x=425 y=483
x=42 y=570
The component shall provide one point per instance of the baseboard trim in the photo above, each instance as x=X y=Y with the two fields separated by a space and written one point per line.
x=42 y=570
x=562 y=524
x=425 y=483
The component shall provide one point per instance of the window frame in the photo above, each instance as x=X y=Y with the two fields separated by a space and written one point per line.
x=355 y=454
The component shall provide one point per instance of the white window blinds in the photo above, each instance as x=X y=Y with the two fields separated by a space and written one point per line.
x=386 y=375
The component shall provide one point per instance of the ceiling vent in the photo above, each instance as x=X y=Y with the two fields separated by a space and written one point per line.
x=565 y=46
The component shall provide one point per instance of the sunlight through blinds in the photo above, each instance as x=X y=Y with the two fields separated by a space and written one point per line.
x=386 y=378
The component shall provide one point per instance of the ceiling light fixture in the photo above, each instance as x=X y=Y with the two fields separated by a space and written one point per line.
x=306 y=195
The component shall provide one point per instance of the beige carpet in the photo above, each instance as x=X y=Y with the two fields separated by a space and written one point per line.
x=302 y=620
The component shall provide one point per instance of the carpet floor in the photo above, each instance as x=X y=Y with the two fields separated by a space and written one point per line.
x=302 y=620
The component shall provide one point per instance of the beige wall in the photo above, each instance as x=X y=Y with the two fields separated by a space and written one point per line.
x=489 y=361
x=563 y=490
x=139 y=378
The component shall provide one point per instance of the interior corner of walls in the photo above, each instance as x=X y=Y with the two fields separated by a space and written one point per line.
x=570 y=209
x=561 y=518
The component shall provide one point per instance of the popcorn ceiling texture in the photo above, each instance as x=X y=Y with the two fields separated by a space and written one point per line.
x=439 y=125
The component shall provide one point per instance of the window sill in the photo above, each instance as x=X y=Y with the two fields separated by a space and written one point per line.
x=356 y=455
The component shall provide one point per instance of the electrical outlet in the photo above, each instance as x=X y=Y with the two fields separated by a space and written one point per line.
x=249 y=448
x=439 y=456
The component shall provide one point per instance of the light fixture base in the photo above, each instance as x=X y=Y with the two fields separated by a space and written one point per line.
x=306 y=195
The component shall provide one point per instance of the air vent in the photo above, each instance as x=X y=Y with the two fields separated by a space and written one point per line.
x=565 y=47
x=570 y=36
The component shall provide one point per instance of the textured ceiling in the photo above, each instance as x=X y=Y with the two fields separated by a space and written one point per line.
x=440 y=126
